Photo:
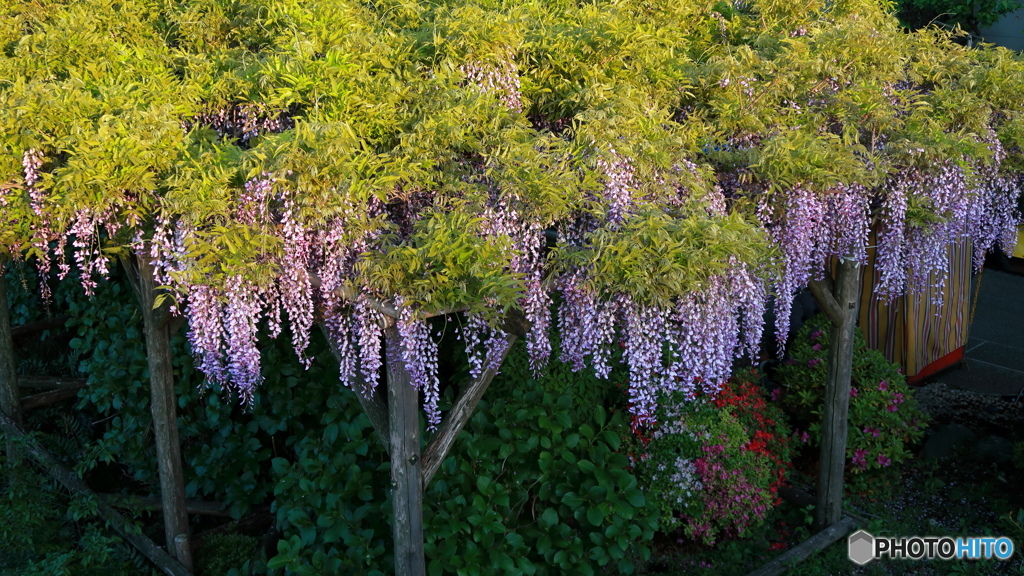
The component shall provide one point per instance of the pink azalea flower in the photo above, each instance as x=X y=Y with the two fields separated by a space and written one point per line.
x=883 y=385
x=860 y=458
x=883 y=460
x=813 y=362
x=816 y=347
x=854 y=392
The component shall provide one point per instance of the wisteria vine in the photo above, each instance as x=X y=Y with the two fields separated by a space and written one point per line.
x=693 y=342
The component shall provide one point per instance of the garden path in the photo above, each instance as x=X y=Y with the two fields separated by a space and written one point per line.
x=994 y=356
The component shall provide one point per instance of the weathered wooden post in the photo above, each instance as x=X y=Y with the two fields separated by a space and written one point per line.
x=840 y=302
x=8 y=380
x=396 y=422
x=406 y=482
x=163 y=407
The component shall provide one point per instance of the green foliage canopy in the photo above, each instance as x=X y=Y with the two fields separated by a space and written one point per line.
x=660 y=141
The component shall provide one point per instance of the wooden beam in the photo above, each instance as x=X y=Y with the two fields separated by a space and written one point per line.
x=163 y=406
x=406 y=479
x=802 y=499
x=799 y=553
x=375 y=405
x=151 y=551
x=39 y=326
x=835 y=412
x=516 y=324
x=46 y=398
x=195 y=507
x=258 y=521
x=822 y=291
x=51 y=383
x=386 y=308
x=439 y=446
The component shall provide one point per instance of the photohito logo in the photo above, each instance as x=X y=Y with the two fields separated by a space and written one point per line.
x=863 y=547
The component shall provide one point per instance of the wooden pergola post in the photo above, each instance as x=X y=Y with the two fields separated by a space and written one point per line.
x=9 y=398
x=163 y=407
x=840 y=302
x=396 y=421
x=404 y=439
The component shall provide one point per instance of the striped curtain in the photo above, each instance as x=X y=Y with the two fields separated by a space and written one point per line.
x=922 y=336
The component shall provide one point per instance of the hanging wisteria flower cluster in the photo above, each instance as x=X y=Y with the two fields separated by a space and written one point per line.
x=501 y=79
x=501 y=218
x=419 y=353
x=695 y=341
x=42 y=233
x=808 y=229
x=224 y=319
x=83 y=234
x=619 y=183
x=980 y=208
x=86 y=243
x=244 y=121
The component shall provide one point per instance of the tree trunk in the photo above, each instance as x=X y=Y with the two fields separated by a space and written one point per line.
x=9 y=404
x=163 y=404
x=840 y=302
x=406 y=484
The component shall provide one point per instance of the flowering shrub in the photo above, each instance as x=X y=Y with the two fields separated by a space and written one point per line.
x=713 y=463
x=884 y=418
x=1018 y=455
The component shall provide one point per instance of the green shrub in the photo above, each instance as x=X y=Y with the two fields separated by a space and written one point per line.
x=714 y=462
x=330 y=498
x=45 y=531
x=226 y=447
x=536 y=484
x=884 y=420
x=572 y=504
x=222 y=553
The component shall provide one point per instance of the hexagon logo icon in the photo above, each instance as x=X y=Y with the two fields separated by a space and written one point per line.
x=861 y=547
